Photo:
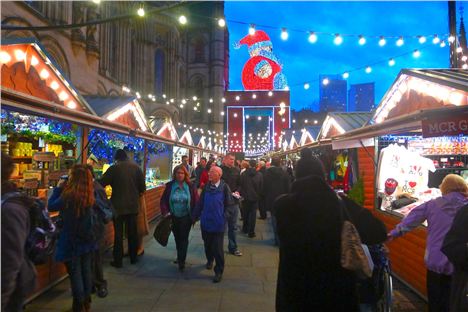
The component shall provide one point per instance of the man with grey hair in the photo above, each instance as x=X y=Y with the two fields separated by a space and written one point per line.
x=211 y=208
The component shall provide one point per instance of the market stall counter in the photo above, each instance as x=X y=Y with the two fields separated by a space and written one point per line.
x=420 y=135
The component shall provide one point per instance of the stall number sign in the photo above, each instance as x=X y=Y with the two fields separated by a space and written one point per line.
x=452 y=126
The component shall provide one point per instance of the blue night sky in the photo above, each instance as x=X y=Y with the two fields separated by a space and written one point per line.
x=303 y=61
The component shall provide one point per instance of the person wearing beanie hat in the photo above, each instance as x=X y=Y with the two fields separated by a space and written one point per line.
x=128 y=184
x=263 y=70
x=309 y=223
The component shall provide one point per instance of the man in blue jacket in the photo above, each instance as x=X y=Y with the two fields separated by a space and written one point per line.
x=215 y=197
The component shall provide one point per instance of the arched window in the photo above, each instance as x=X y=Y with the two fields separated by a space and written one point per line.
x=159 y=72
x=199 y=50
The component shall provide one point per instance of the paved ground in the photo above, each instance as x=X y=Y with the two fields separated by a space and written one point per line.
x=155 y=284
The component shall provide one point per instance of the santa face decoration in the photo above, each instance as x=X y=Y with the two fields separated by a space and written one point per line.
x=390 y=186
x=263 y=70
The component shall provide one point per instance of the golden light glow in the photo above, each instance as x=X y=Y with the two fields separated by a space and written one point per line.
x=34 y=61
x=19 y=55
x=5 y=57
x=54 y=85
x=44 y=74
x=63 y=96
x=71 y=104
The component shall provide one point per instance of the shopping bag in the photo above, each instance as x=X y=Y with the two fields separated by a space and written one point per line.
x=353 y=256
x=163 y=230
x=143 y=226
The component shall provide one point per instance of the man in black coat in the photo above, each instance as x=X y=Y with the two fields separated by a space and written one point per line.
x=261 y=203
x=251 y=187
x=309 y=221
x=128 y=184
x=455 y=247
x=276 y=182
x=231 y=176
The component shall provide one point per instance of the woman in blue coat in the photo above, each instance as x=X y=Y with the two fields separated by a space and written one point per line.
x=75 y=200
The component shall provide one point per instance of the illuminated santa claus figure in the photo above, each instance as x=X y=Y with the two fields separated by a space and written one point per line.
x=263 y=70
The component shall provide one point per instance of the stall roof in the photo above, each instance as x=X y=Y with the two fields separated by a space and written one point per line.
x=27 y=68
x=423 y=89
x=342 y=122
x=105 y=104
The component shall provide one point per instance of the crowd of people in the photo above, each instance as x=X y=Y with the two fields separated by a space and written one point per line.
x=307 y=218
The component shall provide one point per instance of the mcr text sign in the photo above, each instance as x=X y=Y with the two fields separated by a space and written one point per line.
x=449 y=126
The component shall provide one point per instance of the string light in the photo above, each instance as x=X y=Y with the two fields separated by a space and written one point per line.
x=270 y=93
x=459 y=50
x=237 y=98
x=368 y=70
x=44 y=74
x=182 y=20
x=5 y=57
x=382 y=41
x=442 y=44
x=338 y=39
x=209 y=110
x=221 y=22
x=194 y=98
x=464 y=58
x=284 y=34
x=306 y=86
x=391 y=62
x=422 y=39
x=345 y=75
x=416 y=53
x=436 y=39
x=325 y=81
x=362 y=40
x=312 y=37
x=141 y=11
x=400 y=42
x=252 y=29
x=451 y=39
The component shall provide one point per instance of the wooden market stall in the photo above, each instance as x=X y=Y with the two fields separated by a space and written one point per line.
x=424 y=113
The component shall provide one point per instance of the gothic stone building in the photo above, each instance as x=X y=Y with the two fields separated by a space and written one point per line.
x=153 y=54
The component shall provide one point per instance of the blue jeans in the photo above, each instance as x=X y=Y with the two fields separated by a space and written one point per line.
x=275 y=231
x=232 y=213
x=79 y=269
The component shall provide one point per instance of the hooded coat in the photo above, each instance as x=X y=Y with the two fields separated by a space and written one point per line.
x=439 y=213
x=276 y=182
x=309 y=222
x=251 y=185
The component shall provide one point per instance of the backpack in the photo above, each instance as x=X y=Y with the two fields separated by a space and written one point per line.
x=42 y=237
x=89 y=228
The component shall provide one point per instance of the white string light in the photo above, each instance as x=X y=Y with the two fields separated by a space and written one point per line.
x=312 y=37
x=362 y=40
x=284 y=34
x=382 y=41
x=338 y=39
x=182 y=20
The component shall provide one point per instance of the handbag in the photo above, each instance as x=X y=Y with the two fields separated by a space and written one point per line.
x=143 y=226
x=353 y=256
x=163 y=230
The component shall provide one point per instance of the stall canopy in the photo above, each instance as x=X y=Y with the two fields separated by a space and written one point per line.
x=337 y=123
x=120 y=109
x=432 y=101
x=31 y=78
x=185 y=136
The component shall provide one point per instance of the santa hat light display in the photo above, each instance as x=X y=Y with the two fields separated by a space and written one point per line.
x=258 y=40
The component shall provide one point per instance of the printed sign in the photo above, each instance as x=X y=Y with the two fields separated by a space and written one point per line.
x=450 y=126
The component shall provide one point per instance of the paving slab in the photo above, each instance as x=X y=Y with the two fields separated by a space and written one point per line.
x=155 y=284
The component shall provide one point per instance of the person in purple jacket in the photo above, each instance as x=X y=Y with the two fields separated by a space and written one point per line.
x=439 y=213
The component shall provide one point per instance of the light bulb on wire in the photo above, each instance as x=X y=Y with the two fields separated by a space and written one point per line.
x=436 y=39
x=221 y=22
x=345 y=75
x=368 y=70
x=451 y=39
x=312 y=37
x=442 y=44
x=284 y=34
x=182 y=20
x=391 y=62
x=338 y=39
x=400 y=42
x=416 y=53
x=422 y=39
x=252 y=29
x=325 y=81
x=362 y=40
x=141 y=11
x=382 y=41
